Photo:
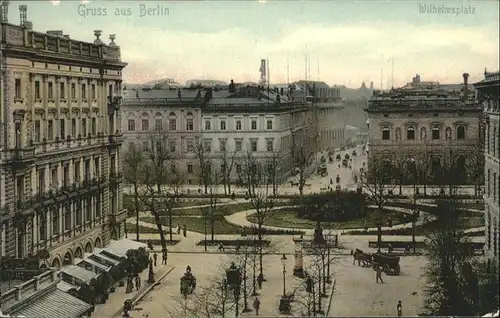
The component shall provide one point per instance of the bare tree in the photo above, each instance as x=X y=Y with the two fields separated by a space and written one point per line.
x=202 y=153
x=273 y=170
x=250 y=174
x=211 y=210
x=243 y=259
x=475 y=167
x=227 y=163
x=161 y=183
x=132 y=168
x=424 y=168
x=400 y=162
x=376 y=184
x=302 y=159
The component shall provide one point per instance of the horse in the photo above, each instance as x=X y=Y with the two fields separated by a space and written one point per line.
x=361 y=256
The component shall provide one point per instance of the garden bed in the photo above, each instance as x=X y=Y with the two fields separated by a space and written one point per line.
x=222 y=209
x=234 y=243
x=158 y=242
x=221 y=226
x=288 y=219
x=435 y=210
x=131 y=228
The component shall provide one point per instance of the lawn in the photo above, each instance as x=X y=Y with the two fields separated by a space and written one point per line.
x=288 y=218
x=196 y=224
x=222 y=209
x=142 y=229
x=466 y=222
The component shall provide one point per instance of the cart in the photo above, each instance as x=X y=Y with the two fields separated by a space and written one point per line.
x=389 y=264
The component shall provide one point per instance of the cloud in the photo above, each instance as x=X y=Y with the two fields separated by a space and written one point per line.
x=344 y=52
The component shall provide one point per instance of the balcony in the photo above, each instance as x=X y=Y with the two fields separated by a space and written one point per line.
x=20 y=156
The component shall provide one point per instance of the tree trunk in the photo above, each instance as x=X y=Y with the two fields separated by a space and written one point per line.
x=379 y=228
x=170 y=223
x=163 y=242
x=137 y=207
x=212 y=229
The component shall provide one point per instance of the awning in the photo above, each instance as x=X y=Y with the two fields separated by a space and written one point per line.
x=120 y=247
x=79 y=273
x=103 y=259
x=54 y=304
x=101 y=268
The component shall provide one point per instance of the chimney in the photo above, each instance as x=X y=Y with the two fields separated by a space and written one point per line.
x=466 y=84
x=23 y=13
x=5 y=11
x=208 y=94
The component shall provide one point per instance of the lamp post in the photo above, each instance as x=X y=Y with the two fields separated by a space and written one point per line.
x=283 y=263
x=413 y=221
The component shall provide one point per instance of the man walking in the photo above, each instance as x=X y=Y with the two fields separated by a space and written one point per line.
x=155 y=258
x=399 y=308
x=379 y=274
x=164 y=258
x=256 y=305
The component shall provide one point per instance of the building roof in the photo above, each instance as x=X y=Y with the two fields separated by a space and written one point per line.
x=95 y=264
x=80 y=273
x=120 y=247
x=318 y=84
x=55 y=303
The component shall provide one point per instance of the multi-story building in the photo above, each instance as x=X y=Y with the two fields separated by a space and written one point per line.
x=167 y=116
x=488 y=93
x=60 y=147
x=221 y=125
x=426 y=124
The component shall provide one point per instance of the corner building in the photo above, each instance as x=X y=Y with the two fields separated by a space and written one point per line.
x=61 y=176
x=488 y=94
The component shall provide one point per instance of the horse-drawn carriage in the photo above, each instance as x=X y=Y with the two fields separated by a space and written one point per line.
x=188 y=283
x=389 y=264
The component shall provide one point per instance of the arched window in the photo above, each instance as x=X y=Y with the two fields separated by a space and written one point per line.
x=460 y=132
x=172 y=114
x=189 y=114
x=436 y=133
x=410 y=133
x=386 y=133
x=158 y=114
x=145 y=114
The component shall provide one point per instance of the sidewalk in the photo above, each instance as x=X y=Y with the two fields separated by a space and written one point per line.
x=117 y=299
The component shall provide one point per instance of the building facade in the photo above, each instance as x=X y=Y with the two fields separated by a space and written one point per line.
x=488 y=95
x=60 y=143
x=437 y=129
x=223 y=127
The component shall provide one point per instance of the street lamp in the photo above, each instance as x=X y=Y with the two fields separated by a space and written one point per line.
x=413 y=221
x=283 y=263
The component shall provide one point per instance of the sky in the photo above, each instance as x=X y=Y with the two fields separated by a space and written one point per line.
x=346 y=42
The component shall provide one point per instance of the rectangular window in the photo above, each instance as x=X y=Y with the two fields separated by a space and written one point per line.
x=76 y=171
x=73 y=127
x=84 y=127
x=41 y=181
x=66 y=176
x=38 y=93
x=172 y=145
x=238 y=145
x=53 y=178
x=145 y=124
x=238 y=125
x=222 y=144
x=50 y=89
x=190 y=168
x=269 y=124
x=208 y=145
x=94 y=93
x=254 y=145
x=131 y=125
x=50 y=130
x=207 y=125
x=37 y=131
x=94 y=126
x=386 y=134
x=223 y=125
x=55 y=222
x=158 y=125
x=62 y=128
x=436 y=133
x=84 y=92
x=238 y=168
x=172 y=124
x=189 y=124
x=254 y=125
x=269 y=145
x=18 y=88
x=62 y=90
x=73 y=91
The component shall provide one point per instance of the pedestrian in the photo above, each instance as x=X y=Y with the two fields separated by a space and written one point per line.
x=138 y=282
x=221 y=248
x=179 y=229
x=399 y=308
x=260 y=279
x=378 y=269
x=256 y=305
x=331 y=181
x=184 y=230
x=130 y=286
x=155 y=258
x=164 y=258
